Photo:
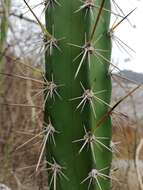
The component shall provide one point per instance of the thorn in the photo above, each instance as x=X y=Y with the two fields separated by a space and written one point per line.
x=120 y=11
x=21 y=105
x=56 y=171
x=50 y=3
x=49 y=43
x=22 y=77
x=106 y=115
x=88 y=6
x=94 y=175
x=120 y=44
x=50 y=132
x=97 y=19
x=89 y=96
x=44 y=30
x=90 y=139
x=30 y=140
x=125 y=17
x=52 y=90
x=87 y=50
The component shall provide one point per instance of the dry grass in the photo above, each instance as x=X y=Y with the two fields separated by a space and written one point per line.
x=126 y=175
x=17 y=125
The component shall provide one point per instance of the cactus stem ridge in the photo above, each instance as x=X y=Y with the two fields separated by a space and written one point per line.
x=97 y=19
x=56 y=171
x=93 y=176
x=89 y=96
x=90 y=139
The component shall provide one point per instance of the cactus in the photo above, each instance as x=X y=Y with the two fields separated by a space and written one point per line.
x=78 y=94
x=5 y=4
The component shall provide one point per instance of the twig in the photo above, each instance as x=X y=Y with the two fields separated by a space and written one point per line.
x=140 y=146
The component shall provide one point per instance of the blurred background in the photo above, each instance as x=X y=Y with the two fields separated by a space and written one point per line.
x=21 y=98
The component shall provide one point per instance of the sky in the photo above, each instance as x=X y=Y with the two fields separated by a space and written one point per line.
x=132 y=36
x=130 y=32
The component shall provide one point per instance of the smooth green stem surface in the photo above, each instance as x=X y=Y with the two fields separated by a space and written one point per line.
x=74 y=28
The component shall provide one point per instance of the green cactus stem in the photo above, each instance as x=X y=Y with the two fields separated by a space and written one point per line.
x=5 y=4
x=78 y=94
